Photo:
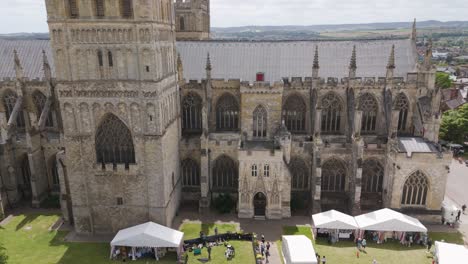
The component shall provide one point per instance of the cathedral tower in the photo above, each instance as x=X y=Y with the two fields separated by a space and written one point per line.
x=116 y=87
x=192 y=19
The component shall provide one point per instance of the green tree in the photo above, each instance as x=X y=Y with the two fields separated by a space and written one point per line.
x=454 y=126
x=443 y=80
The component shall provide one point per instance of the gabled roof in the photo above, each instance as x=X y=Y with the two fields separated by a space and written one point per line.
x=30 y=55
x=389 y=220
x=148 y=235
x=334 y=220
x=285 y=59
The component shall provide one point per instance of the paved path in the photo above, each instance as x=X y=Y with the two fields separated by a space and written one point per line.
x=275 y=256
x=457 y=191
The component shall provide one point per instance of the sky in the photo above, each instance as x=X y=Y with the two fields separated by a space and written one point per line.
x=30 y=15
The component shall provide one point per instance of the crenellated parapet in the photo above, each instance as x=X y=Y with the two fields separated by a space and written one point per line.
x=261 y=88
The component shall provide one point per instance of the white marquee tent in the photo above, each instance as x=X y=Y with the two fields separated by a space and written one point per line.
x=148 y=235
x=446 y=253
x=389 y=220
x=334 y=220
x=298 y=250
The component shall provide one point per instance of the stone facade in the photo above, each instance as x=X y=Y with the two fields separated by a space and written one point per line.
x=192 y=18
x=124 y=138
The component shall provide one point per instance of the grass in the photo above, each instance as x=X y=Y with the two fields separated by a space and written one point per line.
x=390 y=252
x=192 y=230
x=27 y=239
x=244 y=254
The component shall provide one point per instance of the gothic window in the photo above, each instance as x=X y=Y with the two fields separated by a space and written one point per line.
x=402 y=105
x=192 y=113
x=100 y=8
x=372 y=176
x=73 y=8
x=299 y=174
x=266 y=170
x=225 y=174
x=114 y=143
x=126 y=8
x=227 y=113
x=294 y=114
x=190 y=173
x=100 y=58
x=259 y=122
x=415 y=190
x=182 y=24
x=9 y=99
x=331 y=114
x=369 y=107
x=333 y=176
x=39 y=100
x=110 y=59
x=254 y=170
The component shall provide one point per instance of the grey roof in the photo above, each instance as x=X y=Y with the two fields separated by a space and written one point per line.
x=415 y=145
x=30 y=54
x=278 y=59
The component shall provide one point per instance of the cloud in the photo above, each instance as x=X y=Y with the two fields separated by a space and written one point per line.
x=30 y=15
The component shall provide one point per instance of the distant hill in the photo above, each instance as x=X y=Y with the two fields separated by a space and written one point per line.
x=343 y=31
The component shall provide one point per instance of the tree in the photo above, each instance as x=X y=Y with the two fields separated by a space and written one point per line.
x=454 y=126
x=443 y=80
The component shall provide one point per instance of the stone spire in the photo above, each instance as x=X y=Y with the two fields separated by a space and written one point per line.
x=180 y=68
x=208 y=63
x=414 y=33
x=391 y=63
x=46 y=66
x=315 y=67
x=428 y=55
x=352 y=64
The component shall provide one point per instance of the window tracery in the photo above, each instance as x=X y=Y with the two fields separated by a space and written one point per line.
x=415 y=190
x=333 y=176
x=225 y=174
x=190 y=173
x=39 y=100
x=372 y=176
x=192 y=113
x=9 y=99
x=294 y=113
x=299 y=174
x=402 y=104
x=260 y=122
x=369 y=107
x=331 y=114
x=126 y=8
x=227 y=113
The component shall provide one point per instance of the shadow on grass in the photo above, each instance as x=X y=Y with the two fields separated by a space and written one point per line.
x=389 y=245
x=29 y=218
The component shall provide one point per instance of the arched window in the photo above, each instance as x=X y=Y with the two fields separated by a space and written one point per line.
x=190 y=173
x=225 y=174
x=369 y=107
x=227 y=113
x=114 y=143
x=182 y=23
x=9 y=99
x=126 y=8
x=39 y=100
x=73 y=8
x=294 y=114
x=331 y=114
x=402 y=104
x=415 y=190
x=299 y=174
x=110 y=59
x=100 y=8
x=372 y=176
x=333 y=176
x=100 y=58
x=192 y=113
x=254 y=170
x=259 y=122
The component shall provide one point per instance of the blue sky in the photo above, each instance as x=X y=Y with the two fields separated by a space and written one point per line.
x=30 y=15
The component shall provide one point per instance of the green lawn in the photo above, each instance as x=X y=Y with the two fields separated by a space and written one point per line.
x=391 y=252
x=192 y=229
x=244 y=254
x=27 y=240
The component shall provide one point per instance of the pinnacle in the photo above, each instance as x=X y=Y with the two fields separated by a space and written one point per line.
x=353 y=64
x=391 y=59
x=316 y=58
x=208 y=62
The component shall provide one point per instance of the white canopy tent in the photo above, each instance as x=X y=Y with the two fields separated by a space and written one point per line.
x=298 y=250
x=148 y=235
x=389 y=220
x=446 y=253
x=334 y=220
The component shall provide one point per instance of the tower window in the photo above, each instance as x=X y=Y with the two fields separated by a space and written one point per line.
x=119 y=201
x=260 y=77
x=266 y=170
x=147 y=68
x=109 y=57
x=126 y=9
x=182 y=23
x=99 y=8
x=100 y=59
x=73 y=8
x=254 y=170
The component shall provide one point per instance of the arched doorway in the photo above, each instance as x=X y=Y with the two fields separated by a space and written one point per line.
x=259 y=204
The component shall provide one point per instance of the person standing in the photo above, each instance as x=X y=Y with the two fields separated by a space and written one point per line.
x=216 y=231
x=458 y=215
x=429 y=244
x=267 y=255
x=209 y=252
x=263 y=239
x=463 y=208
x=268 y=245
x=262 y=249
x=324 y=260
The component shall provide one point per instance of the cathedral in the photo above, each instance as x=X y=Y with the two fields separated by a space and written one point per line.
x=130 y=110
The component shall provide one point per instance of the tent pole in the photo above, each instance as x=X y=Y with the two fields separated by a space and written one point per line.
x=112 y=250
